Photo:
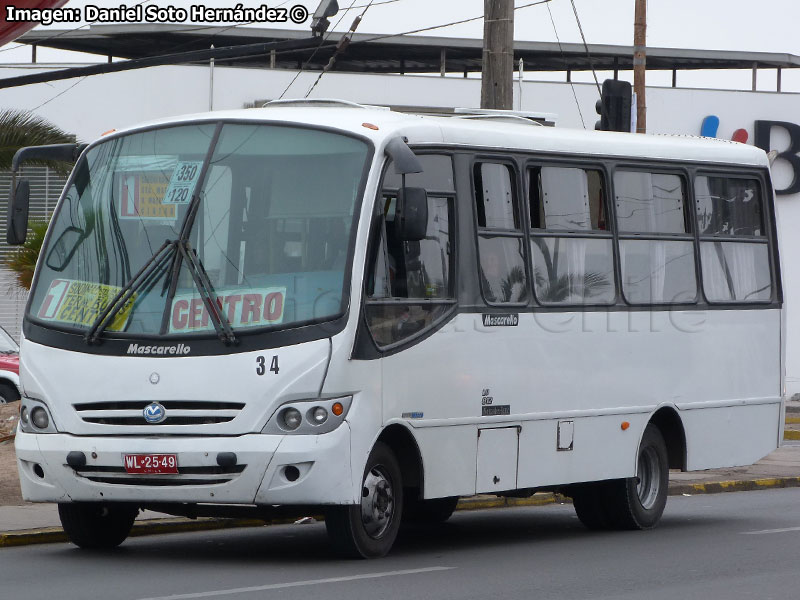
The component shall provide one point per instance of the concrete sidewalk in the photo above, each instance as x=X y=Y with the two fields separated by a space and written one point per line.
x=39 y=523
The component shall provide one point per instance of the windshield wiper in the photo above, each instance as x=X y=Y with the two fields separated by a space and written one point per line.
x=207 y=294
x=201 y=280
x=129 y=289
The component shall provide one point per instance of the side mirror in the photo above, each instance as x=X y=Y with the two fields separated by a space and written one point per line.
x=18 y=203
x=64 y=248
x=405 y=161
x=411 y=216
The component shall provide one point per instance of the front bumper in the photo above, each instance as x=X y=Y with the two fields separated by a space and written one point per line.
x=323 y=463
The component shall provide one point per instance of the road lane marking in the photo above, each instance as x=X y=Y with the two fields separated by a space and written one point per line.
x=763 y=531
x=291 y=584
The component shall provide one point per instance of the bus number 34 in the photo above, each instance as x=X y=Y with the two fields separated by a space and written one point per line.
x=261 y=365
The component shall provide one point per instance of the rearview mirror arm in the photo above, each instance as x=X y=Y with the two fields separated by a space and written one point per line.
x=58 y=152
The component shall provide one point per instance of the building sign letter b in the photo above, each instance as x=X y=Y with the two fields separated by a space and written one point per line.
x=763 y=133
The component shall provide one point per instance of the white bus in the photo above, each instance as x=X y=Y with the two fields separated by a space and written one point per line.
x=314 y=306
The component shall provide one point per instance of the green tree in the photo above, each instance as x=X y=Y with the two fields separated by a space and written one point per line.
x=17 y=130
x=22 y=262
x=20 y=128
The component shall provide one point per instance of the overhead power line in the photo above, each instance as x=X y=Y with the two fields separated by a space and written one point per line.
x=248 y=50
x=62 y=33
x=344 y=41
x=322 y=41
x=564 y=58
x=586 y=46
x=156 y=61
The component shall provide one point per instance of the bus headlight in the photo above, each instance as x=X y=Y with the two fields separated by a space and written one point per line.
x=317 y=415
x=291 y=418
x=34 y=417
x=40 y=418
x=309 y=417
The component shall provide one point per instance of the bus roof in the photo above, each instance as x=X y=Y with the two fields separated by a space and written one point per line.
x=379 y=125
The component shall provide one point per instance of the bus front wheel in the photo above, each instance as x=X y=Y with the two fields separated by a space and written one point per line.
x=369 y=529
x=95 y=524
x=430 y=512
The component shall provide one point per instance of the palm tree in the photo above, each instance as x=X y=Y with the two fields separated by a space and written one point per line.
x=17 y=130
x=21 y=128
x=560 y=288
x=22 y=262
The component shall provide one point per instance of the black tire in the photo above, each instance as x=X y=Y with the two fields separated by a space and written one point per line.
x=638 y=502
x=353 y=530
x=589 y=501
x=435 y=510
x=95 y=524
x=8 y=393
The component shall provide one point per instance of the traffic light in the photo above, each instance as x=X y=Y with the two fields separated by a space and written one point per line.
x=614 y=106
x=319 y=21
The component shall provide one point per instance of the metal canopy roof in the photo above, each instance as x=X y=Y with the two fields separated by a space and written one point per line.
x=383 y=53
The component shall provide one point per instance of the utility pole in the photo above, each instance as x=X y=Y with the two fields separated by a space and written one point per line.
x=497 y=85
x=640 y=64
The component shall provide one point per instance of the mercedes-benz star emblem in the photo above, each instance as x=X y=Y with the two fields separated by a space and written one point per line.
x=155 y=378
x=154 y=413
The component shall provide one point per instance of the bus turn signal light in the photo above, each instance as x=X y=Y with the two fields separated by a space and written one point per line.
x=337 y=409
x=625 y=425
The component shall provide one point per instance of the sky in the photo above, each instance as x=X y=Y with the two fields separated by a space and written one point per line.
x=766 y=26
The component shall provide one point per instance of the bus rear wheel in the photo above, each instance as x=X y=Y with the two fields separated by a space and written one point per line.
x=590 y=503
x=638 y=502
x=632 y=503
x=97 y=525
x=369 y=529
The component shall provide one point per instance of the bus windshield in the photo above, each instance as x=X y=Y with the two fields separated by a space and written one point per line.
x=270 y=212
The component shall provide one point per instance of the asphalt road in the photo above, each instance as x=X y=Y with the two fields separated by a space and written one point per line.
x=721 y=546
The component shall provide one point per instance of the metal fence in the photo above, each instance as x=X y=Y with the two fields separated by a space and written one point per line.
x=46 y=186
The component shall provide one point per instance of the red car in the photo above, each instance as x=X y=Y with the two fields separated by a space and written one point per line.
x=9 y=368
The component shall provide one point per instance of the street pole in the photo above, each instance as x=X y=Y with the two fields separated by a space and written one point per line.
x=497 y=84
x=640 y=63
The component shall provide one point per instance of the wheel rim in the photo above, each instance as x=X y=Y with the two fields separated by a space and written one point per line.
x=377 y=502
x=649 y=474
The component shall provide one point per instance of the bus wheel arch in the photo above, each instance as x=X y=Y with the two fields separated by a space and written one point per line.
x=670 y=425
x=405 y=448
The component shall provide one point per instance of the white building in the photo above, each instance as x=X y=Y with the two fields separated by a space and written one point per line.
x=88 y=107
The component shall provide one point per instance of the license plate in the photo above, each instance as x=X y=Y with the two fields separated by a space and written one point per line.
x=149 y=464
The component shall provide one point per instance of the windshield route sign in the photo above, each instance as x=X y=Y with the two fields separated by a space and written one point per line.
x=81 y=302
x=182 y=184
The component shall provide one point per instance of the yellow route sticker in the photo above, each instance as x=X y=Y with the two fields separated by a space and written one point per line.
x=81 y=302
x=142 y=198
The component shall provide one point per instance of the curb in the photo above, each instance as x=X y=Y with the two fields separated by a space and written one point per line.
x=746 y=485
x=50 y=535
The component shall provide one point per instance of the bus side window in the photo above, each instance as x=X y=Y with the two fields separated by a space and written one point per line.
x=572 y=251
x=410 y=284
x=734 y=251
x=501 y=250
x=656 y=244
